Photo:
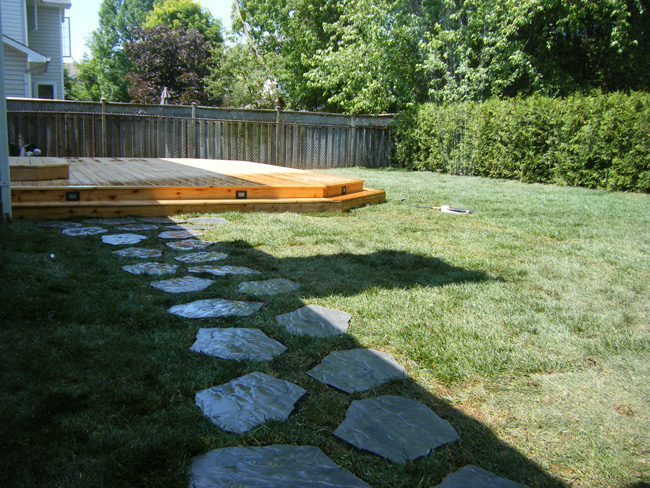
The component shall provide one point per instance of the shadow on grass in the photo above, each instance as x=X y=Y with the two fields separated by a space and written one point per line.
x=99 y=382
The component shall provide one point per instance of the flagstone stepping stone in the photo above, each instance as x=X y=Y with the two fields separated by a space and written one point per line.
x=208 y=220
x=246 y=402
x=314 y=320
x=473 y=477
x=268 y=287
x=185 y=284
x=57 y=224
x=188 y=244
x=164 y=220
x=395 y=428
x=122 y=239
x=357 y=369
x=223 y=270
x=274 y=466
x=138 y=252
x=215 y=307
x=236 y=343
x=108 y=221
x=179 y=234
x=188 y=227
x=151 y=268
x=201 y=257
x=83 y=231
x=138 y=227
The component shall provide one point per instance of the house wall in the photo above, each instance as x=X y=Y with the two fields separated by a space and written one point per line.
x=14 y=71
x=46 y=39
x=13 y=20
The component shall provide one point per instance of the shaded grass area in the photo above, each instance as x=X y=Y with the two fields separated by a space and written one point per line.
x=525 y=325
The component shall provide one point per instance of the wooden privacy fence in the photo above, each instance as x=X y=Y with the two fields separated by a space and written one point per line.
x=295 y=139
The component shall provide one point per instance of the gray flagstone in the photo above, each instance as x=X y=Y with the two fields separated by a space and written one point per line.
x=395 y=428
x=179 y=234
x=215 y=307
x=222 y=270
x=57 y=224
x=108 y=221
x=184 y=284
x=201 y=257
x=188 y=227
x=151 y=268
x=188 y=244
x=237 y=343
x=83 y=231
x=138 y=252
x=164 y=220
x=268 y=287
x=314 y=320
x=275 y=466
x=137 y=227
x=357 y=369
x=473 y=477
x=246 y=402
x=122 y=239
x=208 y=220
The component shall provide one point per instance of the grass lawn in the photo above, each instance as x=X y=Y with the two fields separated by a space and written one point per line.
x=525 y=325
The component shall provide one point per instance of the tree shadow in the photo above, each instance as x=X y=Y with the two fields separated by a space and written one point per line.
x=318 y=414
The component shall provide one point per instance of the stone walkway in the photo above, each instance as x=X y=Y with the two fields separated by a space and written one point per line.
x=395 y=428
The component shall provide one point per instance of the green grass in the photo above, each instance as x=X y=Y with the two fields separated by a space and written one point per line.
x=524 y=324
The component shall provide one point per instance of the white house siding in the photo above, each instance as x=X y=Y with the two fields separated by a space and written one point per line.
x=14 y=70
x=46 y=39
x=13 y=20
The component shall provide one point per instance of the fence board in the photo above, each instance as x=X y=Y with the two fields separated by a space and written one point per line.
x=293 y=139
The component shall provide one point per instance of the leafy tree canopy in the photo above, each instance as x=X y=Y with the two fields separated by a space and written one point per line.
x=185 y=14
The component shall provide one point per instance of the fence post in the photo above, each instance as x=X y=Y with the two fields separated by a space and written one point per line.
x=276 y=159
x=193 y=147
x=104 y=135
x=353 y=141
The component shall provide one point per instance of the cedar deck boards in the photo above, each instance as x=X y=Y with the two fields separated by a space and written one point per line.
x=159 y=187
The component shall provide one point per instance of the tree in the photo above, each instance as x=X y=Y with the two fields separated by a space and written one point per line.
x=287 y=34
x=178 y=59
x=104 y=73
x=186 y=14
x=371 y=61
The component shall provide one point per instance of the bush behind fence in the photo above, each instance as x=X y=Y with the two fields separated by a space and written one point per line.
x=594 y=141
x=295 y=139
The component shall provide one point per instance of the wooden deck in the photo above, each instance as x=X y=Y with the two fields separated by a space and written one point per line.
x=105 y=187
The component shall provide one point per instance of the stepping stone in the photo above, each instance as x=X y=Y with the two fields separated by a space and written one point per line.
x=108 y=221
x=179 y=234
x=268 y=287
x=57 y=224
x=357 y=370
x=395 y=428
x=188 y=244
x=188 y=227
x=201 y=257
x=215 y=307
x=122 y=239
x=273 y=466
x=223 y=270
x=314 y=320
x=83 y=231
x=151 y=268
x=138 y=227
x=185 y=284
x=138 y=252
x=164 y=220
x=208 y=220
x=246 y=402
x=236 y=343
x=471 y=476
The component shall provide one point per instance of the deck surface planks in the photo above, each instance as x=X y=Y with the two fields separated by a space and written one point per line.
x=161 y=186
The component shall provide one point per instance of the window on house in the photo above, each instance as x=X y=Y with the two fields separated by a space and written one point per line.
x=65 y=31
x=45 y=91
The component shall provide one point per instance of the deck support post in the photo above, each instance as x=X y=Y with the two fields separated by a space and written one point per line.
x=104 y=155
x=5 y=181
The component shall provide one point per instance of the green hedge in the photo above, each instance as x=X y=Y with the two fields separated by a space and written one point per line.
x=595 y=141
